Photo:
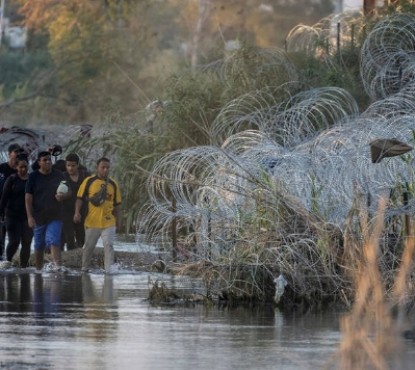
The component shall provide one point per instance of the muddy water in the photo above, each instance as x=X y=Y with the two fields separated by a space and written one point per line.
x=93 y=321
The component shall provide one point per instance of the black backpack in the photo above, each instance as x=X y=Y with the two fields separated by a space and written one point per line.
x=99 y=197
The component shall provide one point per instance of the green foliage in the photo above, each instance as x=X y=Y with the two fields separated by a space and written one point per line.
x=252 y=68
x=195 y=97
x=97 y=52
x=315 y=196
x=194 y=100
x=402 y=6
x=111 y=52
x=19 y=69
x=339 y=70
x=134 y=156
x=107 y=58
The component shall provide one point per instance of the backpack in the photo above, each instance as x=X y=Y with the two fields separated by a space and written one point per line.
x=99 y=197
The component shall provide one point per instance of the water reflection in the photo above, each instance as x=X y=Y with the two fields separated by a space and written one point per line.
x=24 y=292
x=90 y=295
x=15 y=293
x=46 y=294
x=100 y=310
x=82 y=321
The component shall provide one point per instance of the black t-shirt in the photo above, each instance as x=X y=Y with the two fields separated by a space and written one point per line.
x=69 y=204
x=12 y=202
x=5 y=172
x=43 y=189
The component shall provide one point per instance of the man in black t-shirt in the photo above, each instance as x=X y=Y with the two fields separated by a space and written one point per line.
x=74 y=233
x=6 y=169
x=44 y=210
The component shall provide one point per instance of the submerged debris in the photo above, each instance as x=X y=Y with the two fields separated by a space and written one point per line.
x=160 y=294
x=280 y=284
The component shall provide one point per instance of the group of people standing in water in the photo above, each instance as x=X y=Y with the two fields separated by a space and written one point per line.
x=53 y=207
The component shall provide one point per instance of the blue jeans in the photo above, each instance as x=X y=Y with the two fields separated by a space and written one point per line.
x=47 y=235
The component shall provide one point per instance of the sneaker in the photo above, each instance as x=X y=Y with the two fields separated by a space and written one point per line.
x=52 y=267
x=5 y=265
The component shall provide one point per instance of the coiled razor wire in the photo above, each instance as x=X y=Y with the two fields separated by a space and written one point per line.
x=304 y=38
x=34 y=140
x=195 y=179
x=88 y=141
x=291 y=122
x=388 y=57
x=309 y=152
x=326 y=36
x=398 y=104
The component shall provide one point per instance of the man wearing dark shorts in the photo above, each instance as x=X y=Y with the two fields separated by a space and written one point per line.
x=44 y=211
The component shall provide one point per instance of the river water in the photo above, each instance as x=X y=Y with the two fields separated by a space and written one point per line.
x=96 y=321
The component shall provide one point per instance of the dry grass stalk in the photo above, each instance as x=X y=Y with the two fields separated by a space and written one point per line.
x=371 y=336
x=401 y=289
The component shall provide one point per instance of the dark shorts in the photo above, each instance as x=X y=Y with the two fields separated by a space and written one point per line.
x=47 y=235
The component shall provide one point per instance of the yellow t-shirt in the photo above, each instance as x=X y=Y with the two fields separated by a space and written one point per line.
x=102 y=216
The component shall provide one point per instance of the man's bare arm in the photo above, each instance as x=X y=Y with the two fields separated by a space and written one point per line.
x=77 y=214
x=29 y=209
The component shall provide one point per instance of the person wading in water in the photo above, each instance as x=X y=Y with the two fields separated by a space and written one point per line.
x=44 y=210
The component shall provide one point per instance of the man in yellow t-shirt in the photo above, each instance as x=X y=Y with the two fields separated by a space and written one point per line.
x=104 y=198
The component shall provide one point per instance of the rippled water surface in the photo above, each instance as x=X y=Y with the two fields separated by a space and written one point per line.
x=94 y=321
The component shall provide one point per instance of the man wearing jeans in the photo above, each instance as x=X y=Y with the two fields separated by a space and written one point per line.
x=103 y=217
x=44 y=210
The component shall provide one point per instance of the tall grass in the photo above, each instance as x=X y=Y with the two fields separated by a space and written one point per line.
x=373 y=328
